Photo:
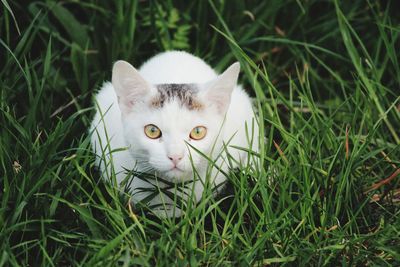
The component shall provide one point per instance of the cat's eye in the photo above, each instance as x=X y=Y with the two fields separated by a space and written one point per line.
x=198 y=133
x=152 y=131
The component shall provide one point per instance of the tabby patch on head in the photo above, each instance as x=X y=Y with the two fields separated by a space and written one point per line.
x=185 y=93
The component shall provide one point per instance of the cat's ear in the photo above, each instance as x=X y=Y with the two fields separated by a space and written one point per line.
x=129 y=85
x=220 y=90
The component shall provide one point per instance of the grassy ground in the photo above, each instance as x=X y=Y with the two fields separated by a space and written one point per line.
x=326 y=77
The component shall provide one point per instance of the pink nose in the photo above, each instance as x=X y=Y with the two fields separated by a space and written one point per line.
x=175 y=158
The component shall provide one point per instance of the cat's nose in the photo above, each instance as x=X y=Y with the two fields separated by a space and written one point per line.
x=175 y=158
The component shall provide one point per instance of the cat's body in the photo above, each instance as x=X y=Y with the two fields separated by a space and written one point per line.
x=159 y=112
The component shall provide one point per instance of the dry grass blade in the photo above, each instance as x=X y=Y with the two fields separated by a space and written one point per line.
x=384 y=181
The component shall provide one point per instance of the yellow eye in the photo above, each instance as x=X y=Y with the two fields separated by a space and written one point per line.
x=152 y=131
x=198 y=133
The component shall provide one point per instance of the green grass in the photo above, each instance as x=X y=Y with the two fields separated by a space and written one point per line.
x=326 y=77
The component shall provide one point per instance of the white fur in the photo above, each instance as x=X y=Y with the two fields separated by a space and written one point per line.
x=122 y=124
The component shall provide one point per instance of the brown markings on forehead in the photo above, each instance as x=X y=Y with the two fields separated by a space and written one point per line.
x=185 y=93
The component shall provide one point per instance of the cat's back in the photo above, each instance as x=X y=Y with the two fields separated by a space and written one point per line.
x=176 y=67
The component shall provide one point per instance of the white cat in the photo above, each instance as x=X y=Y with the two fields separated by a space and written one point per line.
x=164 y=114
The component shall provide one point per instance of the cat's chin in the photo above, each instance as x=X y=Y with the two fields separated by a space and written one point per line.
x=177 y=175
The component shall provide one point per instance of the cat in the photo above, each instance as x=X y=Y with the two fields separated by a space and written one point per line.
x=167 y=119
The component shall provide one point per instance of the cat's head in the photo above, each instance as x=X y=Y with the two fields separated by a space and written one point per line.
x=163 y=122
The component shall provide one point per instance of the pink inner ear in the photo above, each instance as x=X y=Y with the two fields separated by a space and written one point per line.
x=129 y=86
x=219 y=97
x=131 y=99
x=222 y=104
x=220 y=90
x=131 y=94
